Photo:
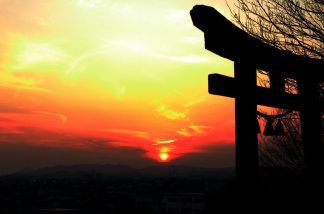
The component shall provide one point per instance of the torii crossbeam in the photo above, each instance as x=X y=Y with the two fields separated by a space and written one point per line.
x=249 y=54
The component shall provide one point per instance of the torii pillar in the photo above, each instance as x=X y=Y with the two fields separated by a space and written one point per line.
x=249 y=54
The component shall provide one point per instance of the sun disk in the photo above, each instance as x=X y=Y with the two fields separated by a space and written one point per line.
x=164 y=156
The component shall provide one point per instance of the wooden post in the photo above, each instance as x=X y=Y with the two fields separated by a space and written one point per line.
x=277 y=83
x=311 y=126
x=247 y=167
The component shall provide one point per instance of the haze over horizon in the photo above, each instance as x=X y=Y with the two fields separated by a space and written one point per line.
x=117 y=82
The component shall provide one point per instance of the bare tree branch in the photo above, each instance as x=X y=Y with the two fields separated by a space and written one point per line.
x=293 y=25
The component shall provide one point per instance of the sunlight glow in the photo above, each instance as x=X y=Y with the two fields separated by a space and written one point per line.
x=165 y=141
x=130 y=74
x=164 y=156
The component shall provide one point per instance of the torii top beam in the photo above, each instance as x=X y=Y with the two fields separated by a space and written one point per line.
x=222 y=37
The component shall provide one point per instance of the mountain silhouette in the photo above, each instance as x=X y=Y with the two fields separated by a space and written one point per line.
x=127 y=171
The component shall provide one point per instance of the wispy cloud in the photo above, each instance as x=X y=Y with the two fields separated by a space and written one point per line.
x=75 y=64
x=172 y=114
x=18 y=83
x=62 y=117
x=35 y=52
x=195 y=130
x=134 y=133
x=195 y=101
x=30 y=88
x=182 y=112
x=27 y=135
x=165 y=141
x=10 y=108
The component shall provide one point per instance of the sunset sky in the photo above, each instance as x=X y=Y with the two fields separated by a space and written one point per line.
x=103 y=81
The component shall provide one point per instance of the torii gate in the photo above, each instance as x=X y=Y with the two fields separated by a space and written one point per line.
x=248 y=53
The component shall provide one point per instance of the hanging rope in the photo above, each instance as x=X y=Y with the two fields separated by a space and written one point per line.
x=267 y=116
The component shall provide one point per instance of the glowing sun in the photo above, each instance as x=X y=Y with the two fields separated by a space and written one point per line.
x=164 y=156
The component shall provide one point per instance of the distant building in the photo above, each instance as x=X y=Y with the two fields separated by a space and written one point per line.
x=148 y=204
x=184 y=203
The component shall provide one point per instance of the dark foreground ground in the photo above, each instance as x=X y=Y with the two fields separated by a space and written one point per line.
x=59 y=192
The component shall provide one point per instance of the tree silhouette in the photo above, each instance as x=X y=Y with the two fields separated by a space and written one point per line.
x=293 y=25
x=287 y=150
x=296 y=26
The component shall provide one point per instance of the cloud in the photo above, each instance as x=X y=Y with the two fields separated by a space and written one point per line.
x=134 y=133
x=189 y=101
x=113 y=45
x=32 y=53
x=218 y=156
x=49 y=138
x=195 y=101
x=19 y=87
x=165 y=141
x=171 y=114
x=15 y=81
x=12 y=109
x=195 y=130
x=16 y=156
x=62 y=117
x=33 y=148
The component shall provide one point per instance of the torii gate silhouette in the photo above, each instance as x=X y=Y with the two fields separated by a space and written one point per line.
x=249 y=54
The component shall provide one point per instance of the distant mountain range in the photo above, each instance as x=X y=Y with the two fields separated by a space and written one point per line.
x=128 y=171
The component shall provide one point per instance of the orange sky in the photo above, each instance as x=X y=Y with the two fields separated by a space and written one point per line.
x=109 y=81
